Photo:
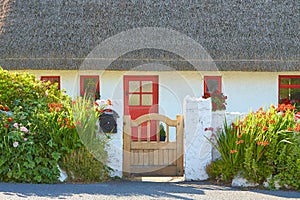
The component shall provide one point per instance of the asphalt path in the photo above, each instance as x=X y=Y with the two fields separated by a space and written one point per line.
x=137 y=190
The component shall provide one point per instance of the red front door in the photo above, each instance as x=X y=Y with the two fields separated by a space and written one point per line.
x=140 y=98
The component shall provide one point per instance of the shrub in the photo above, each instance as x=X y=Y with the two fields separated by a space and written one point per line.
x=264 y=144
x=37 y=129
x=88 y=163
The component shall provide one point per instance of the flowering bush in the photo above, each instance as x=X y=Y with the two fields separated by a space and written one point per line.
x=37 y=129
x=88 y=163
x=265 y=143
x=218 y=100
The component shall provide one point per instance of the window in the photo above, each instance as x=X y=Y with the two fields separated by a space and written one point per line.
x=212 y=84
x=52 y=79
x=289 y=90
x=89 y=85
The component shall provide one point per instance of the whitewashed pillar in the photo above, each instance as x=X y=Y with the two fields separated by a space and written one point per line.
x=197 y=149
x=115 y=144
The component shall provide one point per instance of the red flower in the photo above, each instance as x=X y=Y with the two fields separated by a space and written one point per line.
x=272 y=121
x=109 y=102
x=9 y=119
x=6 y=125
x=240 y=142
x=233 y=151
x=263 y=143
x=297 y=128
x=6 y=109
x=265 y=128
x=209 y=129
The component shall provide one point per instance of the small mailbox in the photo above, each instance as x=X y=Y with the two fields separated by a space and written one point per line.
x=108 y=121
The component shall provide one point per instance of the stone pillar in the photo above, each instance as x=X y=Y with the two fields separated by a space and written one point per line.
x=197 y=149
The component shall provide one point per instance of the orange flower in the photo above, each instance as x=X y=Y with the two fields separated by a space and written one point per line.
x=272 y=121
x=233 y=151
x=265 y=128
x=240 y=142
x=109 y=102
x=263 y=143
x=272 y=106
x=289 y=129
x=297 y=128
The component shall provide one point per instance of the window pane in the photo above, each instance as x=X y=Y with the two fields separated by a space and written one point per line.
x=290 y=95
x=134 y=86
x=212 y=85
x=147 y=99
x=146 y=86
x=134 y=99
x=290 y=81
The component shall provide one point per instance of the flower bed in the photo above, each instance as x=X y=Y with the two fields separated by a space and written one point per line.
x=264 y=145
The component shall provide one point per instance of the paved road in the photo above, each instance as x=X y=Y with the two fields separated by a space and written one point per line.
x=136 y=190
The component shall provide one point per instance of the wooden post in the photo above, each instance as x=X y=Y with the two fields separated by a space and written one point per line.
x=126 y=145
x=179 y=144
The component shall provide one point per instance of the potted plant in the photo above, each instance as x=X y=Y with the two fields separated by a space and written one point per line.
x=162 y=132
x=218 y=100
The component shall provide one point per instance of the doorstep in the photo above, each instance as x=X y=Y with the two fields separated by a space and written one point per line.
x=158 y=179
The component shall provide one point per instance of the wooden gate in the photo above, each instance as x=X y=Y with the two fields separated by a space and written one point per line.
x=152 y=158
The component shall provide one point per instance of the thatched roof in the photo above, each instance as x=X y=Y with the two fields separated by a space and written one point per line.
x=238 y=35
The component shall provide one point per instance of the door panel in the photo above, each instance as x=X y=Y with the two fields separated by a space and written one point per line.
x=140 y=98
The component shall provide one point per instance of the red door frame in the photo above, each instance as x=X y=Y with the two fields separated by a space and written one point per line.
x=137 y=111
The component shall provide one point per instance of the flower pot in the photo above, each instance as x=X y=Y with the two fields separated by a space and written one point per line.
x=162 y=138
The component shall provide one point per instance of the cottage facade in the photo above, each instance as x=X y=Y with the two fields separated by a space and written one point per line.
x=152 y=55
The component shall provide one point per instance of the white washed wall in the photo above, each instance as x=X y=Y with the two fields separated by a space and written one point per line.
x=245 y=90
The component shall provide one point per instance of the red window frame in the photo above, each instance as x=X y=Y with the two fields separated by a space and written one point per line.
x=280 y=86
x=218 y=78
x=52 y=79
x=82 y=81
